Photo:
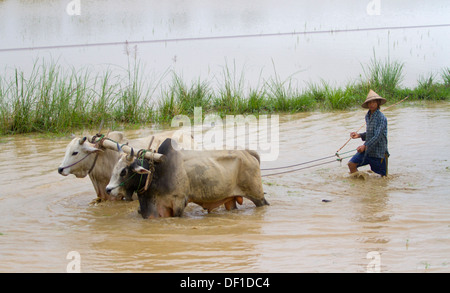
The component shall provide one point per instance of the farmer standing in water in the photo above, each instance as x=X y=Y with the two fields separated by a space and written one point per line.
x=375 y=149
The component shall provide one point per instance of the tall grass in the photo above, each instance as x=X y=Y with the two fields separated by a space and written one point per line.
x=230 y=97
x=54 y=99
x=446 y=76
x=383 y=77
x=429 y=89
x=332 y=98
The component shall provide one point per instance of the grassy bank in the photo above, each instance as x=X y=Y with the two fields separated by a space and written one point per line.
x=54 y=99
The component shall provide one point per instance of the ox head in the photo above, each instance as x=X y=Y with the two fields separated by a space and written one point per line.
x=157 y=200
x=129 y=175
x=78 y=160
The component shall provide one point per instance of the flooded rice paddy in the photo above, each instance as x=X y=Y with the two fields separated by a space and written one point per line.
x=404 y=219
x=303 y=40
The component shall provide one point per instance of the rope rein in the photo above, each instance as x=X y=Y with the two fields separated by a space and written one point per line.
x=142 y=152
x=139 y=156
x=79 y=161
x=337 y=154
x=387 y=108
x=339 y=159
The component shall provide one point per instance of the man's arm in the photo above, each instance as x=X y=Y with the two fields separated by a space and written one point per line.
x=358 y=135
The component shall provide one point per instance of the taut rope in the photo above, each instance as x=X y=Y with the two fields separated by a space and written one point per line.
x=365 y=124
x=337 y=154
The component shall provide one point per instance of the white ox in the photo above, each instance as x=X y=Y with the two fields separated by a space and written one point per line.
x=83 y=158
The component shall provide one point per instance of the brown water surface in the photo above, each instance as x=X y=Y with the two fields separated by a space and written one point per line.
x=405 y=218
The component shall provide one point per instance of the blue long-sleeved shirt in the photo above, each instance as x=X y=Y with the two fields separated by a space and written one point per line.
x=375 y=136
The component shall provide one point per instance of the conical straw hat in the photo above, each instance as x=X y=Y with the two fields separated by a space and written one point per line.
x=373 y=96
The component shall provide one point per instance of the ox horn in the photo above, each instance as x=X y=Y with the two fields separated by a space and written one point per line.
x=131 y=155
x=119 y=148
x=82 y=140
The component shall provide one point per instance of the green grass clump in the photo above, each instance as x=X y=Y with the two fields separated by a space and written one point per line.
x=331 y=98
x=383 y=77
x=52 y=99
x=429 y=89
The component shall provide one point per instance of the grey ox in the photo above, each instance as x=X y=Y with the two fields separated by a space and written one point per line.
x=83 y=158
x=207 y=178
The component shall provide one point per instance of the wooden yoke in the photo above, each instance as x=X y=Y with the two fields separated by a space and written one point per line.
x=112 y=145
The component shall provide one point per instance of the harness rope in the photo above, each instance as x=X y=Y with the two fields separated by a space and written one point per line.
x=79 y=161
x=125 y=181
x=140 y=156
x=339 y=159
x=98 y=145
x=337 y=154
x=387 y=108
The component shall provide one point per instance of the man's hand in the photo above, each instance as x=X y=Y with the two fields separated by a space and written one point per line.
x=361 y=149
x=354 y=135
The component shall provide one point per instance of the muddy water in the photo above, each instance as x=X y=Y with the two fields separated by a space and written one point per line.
x=404 y=220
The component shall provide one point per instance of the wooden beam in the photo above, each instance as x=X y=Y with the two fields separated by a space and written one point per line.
x=109 y=144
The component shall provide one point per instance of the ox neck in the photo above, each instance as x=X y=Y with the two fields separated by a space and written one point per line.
x=93 y=164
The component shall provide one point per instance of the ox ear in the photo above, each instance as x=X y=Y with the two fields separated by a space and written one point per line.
x=91 y=149
x=141 y=170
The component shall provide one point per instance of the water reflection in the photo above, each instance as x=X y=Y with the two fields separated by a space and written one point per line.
x=371 y=208
x=197 y=242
